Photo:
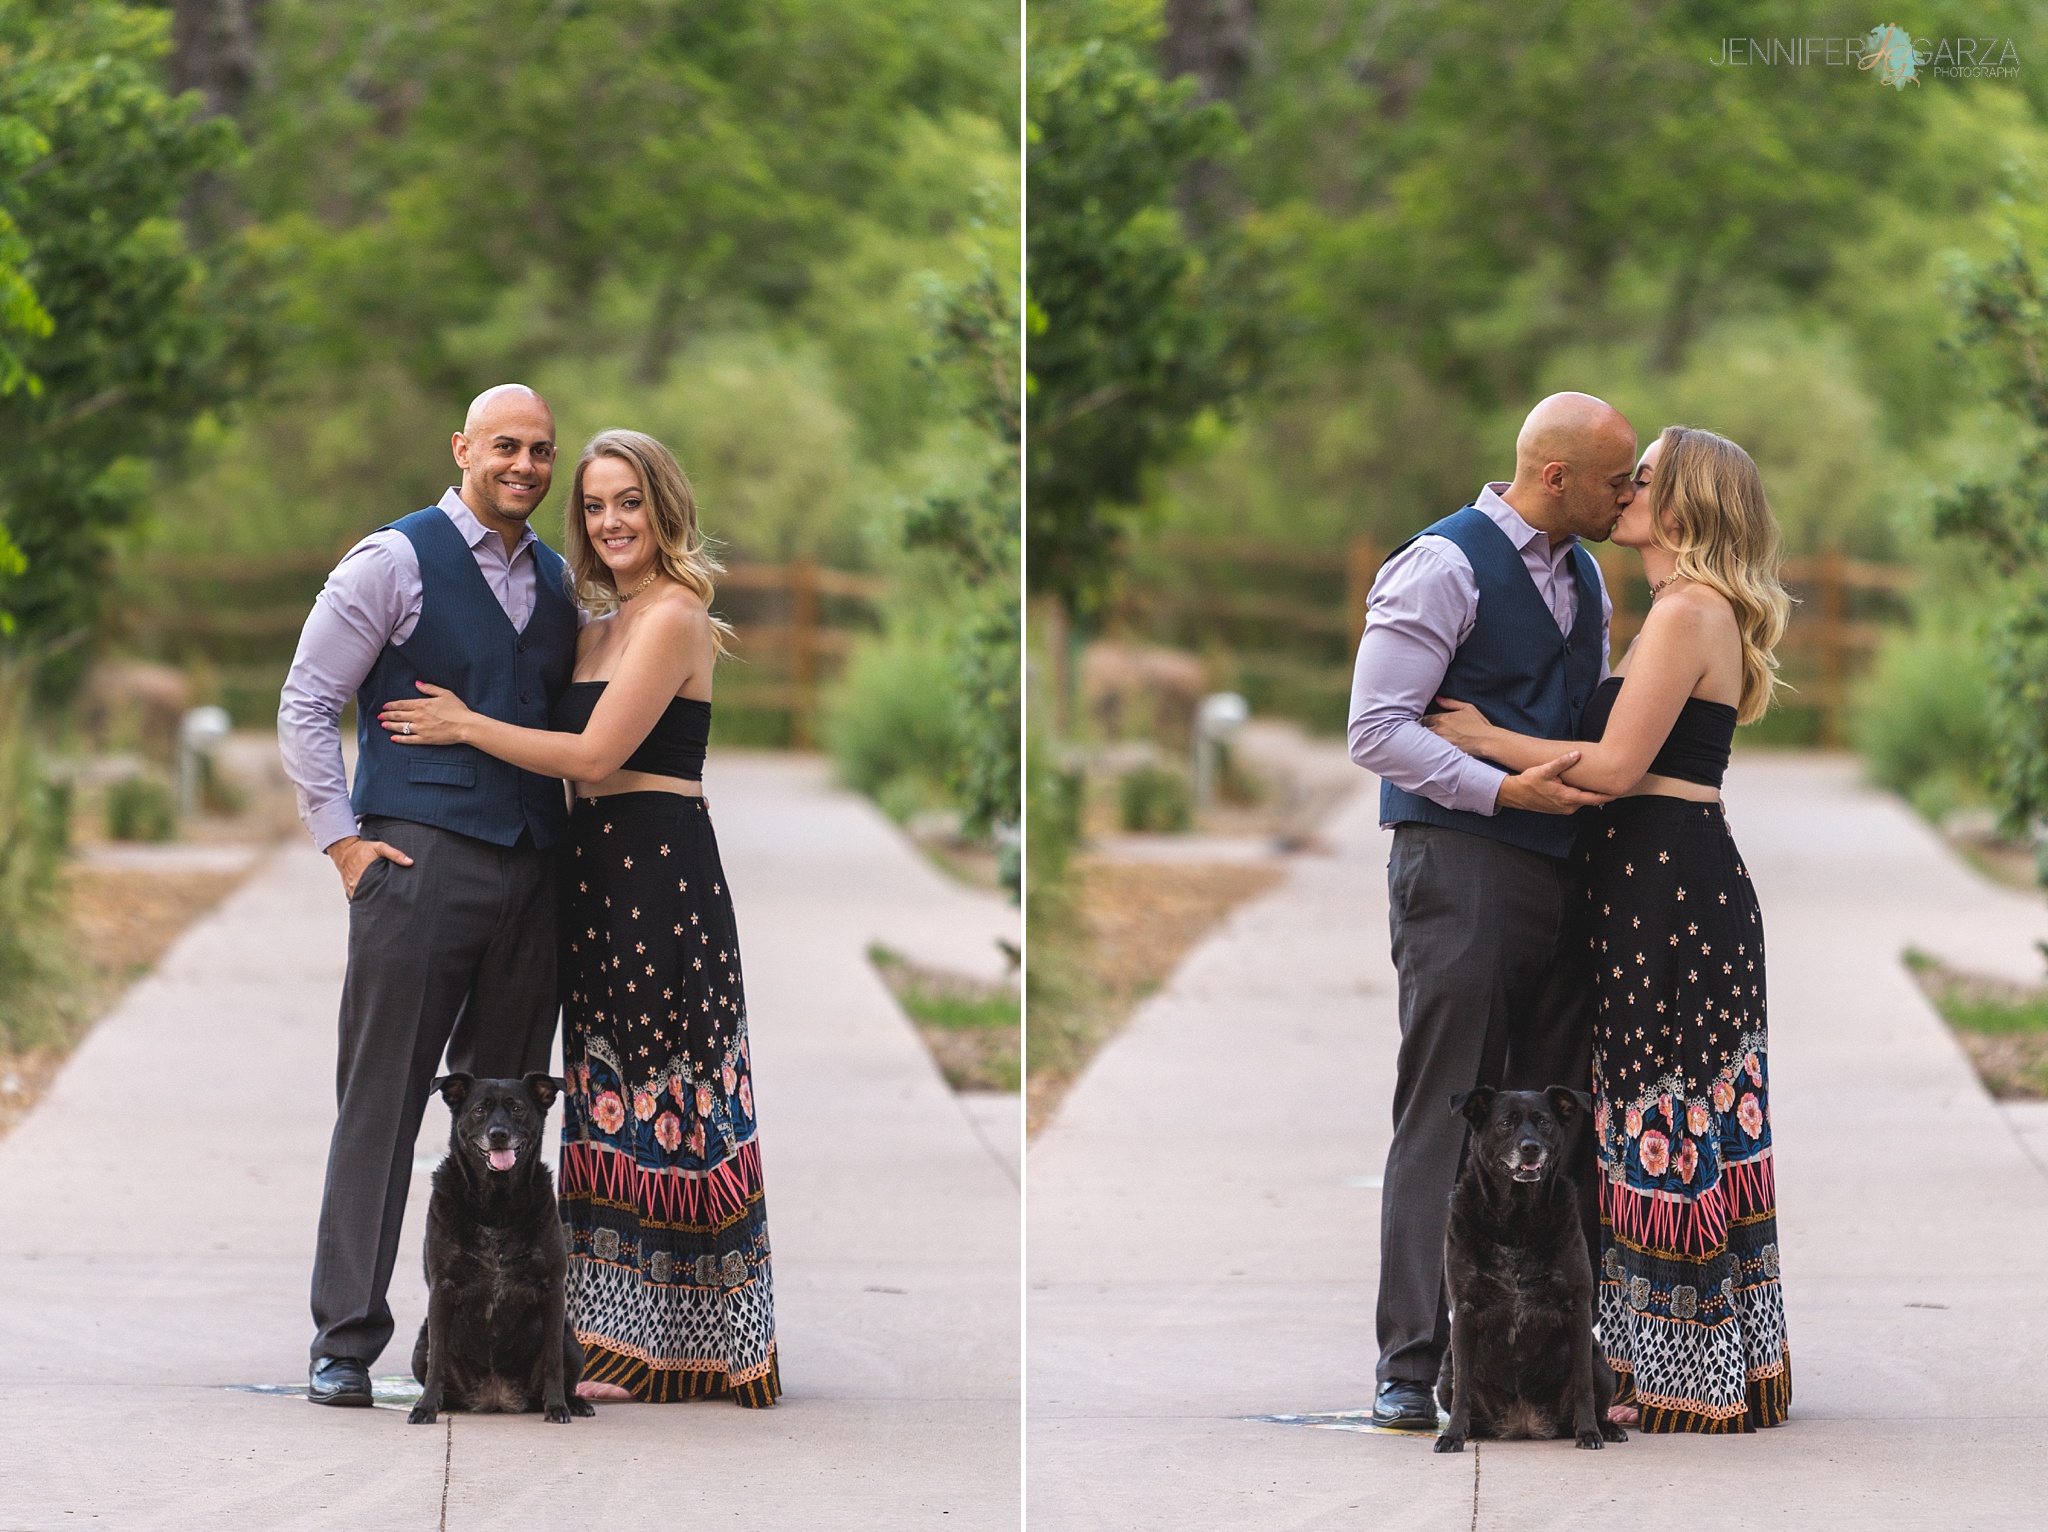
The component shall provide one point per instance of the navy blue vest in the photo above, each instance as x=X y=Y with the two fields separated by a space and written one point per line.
x=1517 y=669
x=465 y=642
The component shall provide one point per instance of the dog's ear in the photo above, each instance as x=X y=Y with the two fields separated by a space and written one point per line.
x=1567 y=1103
x=454 y=1089
x=1474 y=1104
x=545 y=1088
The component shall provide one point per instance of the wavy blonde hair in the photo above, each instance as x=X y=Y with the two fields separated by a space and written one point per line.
x=671 y=513
x=1723 y=536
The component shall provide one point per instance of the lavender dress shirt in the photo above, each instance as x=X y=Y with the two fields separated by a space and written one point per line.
x=1421 y=609
x=372 y=599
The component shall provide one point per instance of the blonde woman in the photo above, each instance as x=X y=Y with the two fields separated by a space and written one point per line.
x=1690 y=1310
x=670 y=1286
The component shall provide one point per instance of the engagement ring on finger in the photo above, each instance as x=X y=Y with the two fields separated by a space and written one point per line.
x=407 y=727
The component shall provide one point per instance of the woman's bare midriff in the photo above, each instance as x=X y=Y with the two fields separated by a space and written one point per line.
x=639 y=782
x=1673 y=787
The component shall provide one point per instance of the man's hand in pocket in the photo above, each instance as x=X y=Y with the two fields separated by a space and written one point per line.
x=353 y=856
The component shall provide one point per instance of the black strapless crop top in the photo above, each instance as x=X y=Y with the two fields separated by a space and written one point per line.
x=1696 y=749
x=674 y=747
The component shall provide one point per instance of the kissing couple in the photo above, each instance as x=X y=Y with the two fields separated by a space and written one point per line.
x=527 y=835
x=1568 y=907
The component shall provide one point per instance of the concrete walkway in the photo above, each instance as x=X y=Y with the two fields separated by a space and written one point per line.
x=1204 y=1224
x=156 y=1235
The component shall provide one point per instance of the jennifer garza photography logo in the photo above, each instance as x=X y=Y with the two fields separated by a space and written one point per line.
x=1886 y=51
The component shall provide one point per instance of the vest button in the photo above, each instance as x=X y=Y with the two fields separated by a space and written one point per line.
x=524 y=698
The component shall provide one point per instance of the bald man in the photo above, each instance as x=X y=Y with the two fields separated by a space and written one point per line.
x=1500 y=606
x=442 y=851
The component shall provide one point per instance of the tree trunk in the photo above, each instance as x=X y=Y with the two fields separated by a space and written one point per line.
x=213 y=51
x=1211 y=40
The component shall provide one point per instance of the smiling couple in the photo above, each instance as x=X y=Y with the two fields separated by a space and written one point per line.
x=487 y=672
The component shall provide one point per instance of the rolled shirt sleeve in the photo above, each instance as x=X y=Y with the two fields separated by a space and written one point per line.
x=1421 y=608
x=372 y=598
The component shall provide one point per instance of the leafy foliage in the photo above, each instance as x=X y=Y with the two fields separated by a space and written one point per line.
x=706 y=155
x=34 y=829
x=975 y=527
x=1923 y=721
x=709 y=221
x=120 y=326
x=1463 y=215
x=1133 y=332
x=2005 y=325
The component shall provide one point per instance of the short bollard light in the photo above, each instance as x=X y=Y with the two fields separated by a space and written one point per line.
x=1218 y=717
x=198 y=732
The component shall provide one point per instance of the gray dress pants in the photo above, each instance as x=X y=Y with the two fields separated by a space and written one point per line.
x=1496 y=988
x=455 y=951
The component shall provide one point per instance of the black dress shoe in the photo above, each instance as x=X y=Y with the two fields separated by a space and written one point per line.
x=338 y=1380
x=1404 y=1406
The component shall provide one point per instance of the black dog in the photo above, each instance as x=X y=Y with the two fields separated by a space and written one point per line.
x=497 y=1335
x=1521 y=1363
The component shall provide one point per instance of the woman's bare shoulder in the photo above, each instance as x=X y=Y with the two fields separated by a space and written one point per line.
x=678 y=611
x=1692 y=607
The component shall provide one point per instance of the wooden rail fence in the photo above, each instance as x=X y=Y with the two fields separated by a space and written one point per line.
x=1290 y=618
x=239 y=619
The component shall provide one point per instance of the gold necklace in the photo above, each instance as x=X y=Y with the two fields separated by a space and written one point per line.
x=629 y=595
x=1662 y=583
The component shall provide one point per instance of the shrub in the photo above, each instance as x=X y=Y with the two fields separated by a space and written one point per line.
x=893 y=723
x=1922 y=719
x=141 y=808
x=220 y=793
x=1154 y=798
x=35 y=822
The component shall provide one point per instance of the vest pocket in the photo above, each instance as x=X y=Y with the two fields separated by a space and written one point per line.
x=442 y=773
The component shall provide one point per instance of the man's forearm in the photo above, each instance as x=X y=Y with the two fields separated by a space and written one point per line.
x=309 y=743
x=336 y=651
x=1401 y=751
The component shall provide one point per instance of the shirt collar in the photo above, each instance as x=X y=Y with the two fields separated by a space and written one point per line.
x=1509 y=520
x=474 y=531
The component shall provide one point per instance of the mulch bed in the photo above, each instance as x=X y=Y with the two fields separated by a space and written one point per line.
x=1135 y=922
x=117 y=925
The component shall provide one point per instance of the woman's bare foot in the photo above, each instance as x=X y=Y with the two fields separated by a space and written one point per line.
x=604 y=1393
x=1624 y=1414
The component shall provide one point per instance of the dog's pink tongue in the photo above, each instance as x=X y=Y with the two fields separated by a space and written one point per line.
x=504 y=1159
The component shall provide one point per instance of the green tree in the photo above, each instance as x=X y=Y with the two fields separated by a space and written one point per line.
x=22 y=316
x=2004 y=305
x=706 y=219
x=1133 y=335
x=1468 y=208
x=142 y=337
x=976 y=528
x=479 y=153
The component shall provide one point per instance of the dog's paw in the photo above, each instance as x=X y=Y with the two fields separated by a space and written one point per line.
x=1590 y=1440
x=1612 y=1432
x=578 y=1405
x=422 y=1416
x=1450 y=1443
x=557 y=1414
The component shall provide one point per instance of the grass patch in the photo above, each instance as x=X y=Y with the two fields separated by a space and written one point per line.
x=973 y=1029
x=2002 y=1026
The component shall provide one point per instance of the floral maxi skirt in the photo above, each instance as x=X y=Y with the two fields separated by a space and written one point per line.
x=1690 y=1310
x=670 y=1289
